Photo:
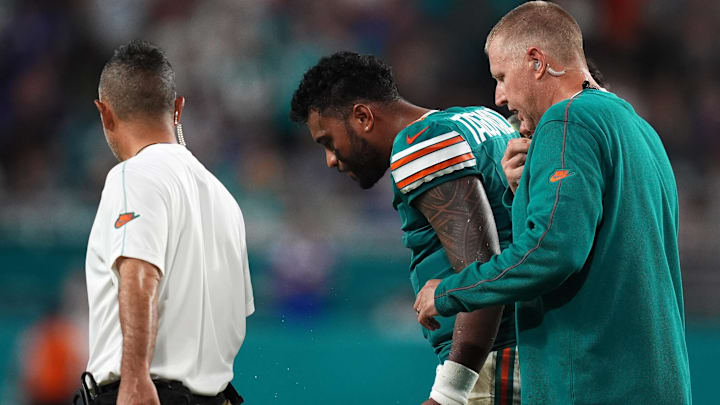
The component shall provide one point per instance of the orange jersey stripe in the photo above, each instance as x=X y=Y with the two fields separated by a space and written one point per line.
x=424 y=151
x=434 y=168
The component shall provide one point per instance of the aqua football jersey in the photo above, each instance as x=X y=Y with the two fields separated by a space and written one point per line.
x=439 y=147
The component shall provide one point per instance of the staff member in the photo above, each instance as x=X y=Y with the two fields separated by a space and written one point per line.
x=167 y=268
x=594 y=264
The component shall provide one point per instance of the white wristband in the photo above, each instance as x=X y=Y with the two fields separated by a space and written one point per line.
x=453 y=383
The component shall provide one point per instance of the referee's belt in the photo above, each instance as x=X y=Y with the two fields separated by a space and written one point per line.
x=169 y=392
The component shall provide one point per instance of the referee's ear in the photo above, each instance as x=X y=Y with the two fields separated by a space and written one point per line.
x=179 y=105
x=106 y=115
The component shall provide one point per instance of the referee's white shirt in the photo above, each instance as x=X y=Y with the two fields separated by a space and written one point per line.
x=162 y=206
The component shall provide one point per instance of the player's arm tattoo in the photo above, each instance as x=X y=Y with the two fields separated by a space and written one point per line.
x=462 y=218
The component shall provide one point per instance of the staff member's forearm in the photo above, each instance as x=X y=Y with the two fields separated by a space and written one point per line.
x=555 y=241
x=138 y=294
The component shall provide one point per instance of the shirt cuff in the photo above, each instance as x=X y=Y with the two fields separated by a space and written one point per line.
x=443 y=303
x=140 y=254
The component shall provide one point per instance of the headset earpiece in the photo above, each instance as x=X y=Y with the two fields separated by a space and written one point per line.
x=554 y=72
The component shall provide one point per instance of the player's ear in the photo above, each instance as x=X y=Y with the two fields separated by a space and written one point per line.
x=362 y=114
x=179 y=105
x=106 y=115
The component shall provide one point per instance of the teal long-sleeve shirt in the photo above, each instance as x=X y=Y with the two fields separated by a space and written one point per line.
x=593 y=267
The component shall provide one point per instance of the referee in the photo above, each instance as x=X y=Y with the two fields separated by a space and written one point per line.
x=167 y=269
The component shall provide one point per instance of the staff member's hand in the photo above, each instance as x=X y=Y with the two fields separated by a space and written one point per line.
x=430 y=401
x=513 y=161
x=137 y=391
x=425 y=305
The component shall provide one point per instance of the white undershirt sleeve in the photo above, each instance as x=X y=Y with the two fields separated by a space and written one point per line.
x=140 y=230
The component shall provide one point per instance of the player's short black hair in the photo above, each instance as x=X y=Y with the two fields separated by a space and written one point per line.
x=138 y=79
x=338 y=81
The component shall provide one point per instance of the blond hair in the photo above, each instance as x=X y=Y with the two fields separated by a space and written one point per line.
x=543 y=25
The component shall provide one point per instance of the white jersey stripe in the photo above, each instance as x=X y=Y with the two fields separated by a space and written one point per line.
x=422 y=144
x=430 y=177
x=429 y=160
x=476 y=129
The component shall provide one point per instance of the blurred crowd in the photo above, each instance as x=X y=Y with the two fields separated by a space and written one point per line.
x=237 y=63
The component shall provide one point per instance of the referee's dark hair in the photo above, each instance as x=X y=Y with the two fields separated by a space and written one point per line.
x=138 y=80
x=340 y=80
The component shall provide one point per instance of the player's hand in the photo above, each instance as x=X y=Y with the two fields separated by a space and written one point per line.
x=137 y=391
x=425 y=305
x=430 y=401
x=513 y=161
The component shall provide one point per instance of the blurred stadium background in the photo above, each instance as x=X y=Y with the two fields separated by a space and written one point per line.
x=333 y=321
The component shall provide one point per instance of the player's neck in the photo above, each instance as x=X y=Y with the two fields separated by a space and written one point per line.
x=405 y=113
x=398 y=116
